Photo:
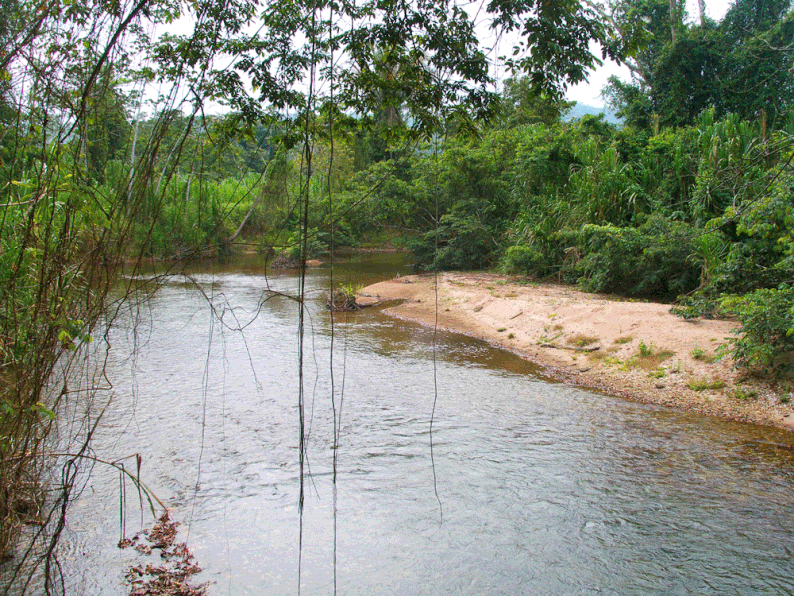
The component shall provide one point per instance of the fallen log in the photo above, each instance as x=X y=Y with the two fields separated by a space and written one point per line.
x=574 y=348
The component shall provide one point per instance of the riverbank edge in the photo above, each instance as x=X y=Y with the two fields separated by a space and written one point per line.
x=631 y=349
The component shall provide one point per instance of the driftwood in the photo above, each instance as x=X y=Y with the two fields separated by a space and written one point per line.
x=342 y=302
x=574 y=348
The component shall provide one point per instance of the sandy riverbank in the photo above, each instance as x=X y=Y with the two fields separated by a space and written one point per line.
x=636 y=350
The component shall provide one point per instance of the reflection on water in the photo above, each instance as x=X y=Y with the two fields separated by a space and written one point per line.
x=542 y=488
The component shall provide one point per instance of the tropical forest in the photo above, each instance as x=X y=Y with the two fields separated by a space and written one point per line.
x=146 y=139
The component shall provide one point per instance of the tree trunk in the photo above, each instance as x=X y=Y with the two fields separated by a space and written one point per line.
x=233 y=237
x=673 y=19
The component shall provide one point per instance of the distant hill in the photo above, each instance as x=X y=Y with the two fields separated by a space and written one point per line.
x=582 y=109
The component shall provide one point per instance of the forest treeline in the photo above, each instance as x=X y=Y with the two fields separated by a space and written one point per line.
x=689 y=199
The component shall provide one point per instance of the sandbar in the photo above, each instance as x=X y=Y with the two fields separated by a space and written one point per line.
x=634 y=349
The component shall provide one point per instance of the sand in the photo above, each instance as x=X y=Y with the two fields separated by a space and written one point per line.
x=628 y=348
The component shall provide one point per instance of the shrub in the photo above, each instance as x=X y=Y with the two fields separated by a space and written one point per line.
x=525 y=260
x=766 y=333
x=652 y=260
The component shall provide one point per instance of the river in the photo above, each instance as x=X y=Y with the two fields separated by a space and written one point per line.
x=532 y=486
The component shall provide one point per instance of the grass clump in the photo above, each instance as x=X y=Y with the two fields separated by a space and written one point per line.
x=743 y=395
x=701 y=384
x=702 y=356
x=580 y=340
x=649 y=358
x=623 y=340
x=501 y=329
x=620 y=363
x=548 y=339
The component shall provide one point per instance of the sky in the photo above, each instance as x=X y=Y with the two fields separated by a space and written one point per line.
x=590 y=93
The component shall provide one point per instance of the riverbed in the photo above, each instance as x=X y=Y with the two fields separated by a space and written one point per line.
x=530 y=487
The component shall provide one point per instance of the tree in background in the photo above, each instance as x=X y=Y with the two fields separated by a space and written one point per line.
x=522 y=105
x=741 y=65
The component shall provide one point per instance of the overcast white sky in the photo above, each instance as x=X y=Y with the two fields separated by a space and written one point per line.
x=590 y=93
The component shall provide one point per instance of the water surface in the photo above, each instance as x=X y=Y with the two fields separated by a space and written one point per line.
x=532 y=487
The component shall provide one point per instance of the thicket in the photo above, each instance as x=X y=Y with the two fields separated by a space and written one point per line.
x=690 y=199
x=700 y=215
x=696 y=214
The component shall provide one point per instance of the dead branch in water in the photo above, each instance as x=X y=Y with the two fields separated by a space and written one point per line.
x=342 y=302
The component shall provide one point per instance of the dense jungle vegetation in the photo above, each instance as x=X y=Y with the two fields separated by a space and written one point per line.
x=688 y=200
x=343 y=124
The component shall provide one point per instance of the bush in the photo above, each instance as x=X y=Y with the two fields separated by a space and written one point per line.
x=525 y=260
x=766 y=334
x=655 y=259
x=463 y=243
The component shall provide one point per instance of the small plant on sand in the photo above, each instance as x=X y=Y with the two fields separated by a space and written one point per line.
x=659 y=373
x=597 y=356
x=702 y=356
x=649 y=358
x=547 y=339
x=581 y=341
x=620 y=363
x=623 y=340
x=741 y=394
x=501 y=329
x=701 y=384
x=511 y=336
x=784 y=399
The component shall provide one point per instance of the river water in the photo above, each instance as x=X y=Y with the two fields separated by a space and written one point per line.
x=531 y=487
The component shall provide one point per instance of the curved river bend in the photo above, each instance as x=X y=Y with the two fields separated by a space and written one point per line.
x=532 y=487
